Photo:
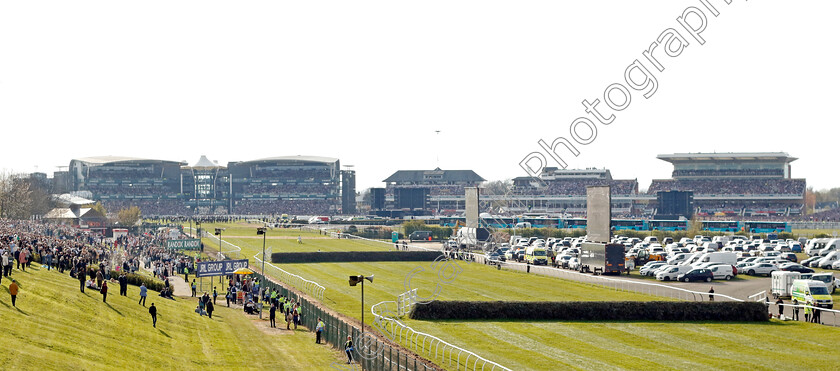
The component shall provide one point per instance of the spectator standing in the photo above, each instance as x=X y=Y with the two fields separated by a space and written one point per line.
x=272 y=315
x=795 y=310
x=779 y=303
x=13 y=291
x=348 y=348
x=215 y=294
x=193 y=287
x=210 y=308
x=318 y=330
x=143 y=295
x=104 y=290
x=712 y=293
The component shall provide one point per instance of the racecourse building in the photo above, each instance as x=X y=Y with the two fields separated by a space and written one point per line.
x=419 y=192
x=296 y=185
x=562 y=191
x=733 y=185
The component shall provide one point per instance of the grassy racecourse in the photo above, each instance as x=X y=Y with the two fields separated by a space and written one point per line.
x=557 y=345
x=57 y=327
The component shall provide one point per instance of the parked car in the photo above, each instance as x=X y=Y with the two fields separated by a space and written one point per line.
x=672 y=272
x=702 y=274
x=562 y=261
x=789 y=256
x=574 y=263
x=646 y=270
x=760 y=268
x=795 y=267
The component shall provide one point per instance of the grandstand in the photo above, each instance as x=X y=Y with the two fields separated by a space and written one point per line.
x=735 y=185
x=420 y=192
x=560 y=191
x=301 y=185
x=298 y=185
x=120 y=182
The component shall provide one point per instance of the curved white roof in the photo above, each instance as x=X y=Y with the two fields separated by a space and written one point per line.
x=101 y=160
x=326 y=160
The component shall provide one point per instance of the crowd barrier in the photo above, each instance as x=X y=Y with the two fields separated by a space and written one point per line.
x=372 y=353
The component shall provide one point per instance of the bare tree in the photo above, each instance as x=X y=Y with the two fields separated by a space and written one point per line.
x=15 y=196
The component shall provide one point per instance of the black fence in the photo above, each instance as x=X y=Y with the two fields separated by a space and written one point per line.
x=377 y=355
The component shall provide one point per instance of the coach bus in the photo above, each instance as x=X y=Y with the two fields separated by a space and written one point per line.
x=668 y=225
x=628 y=224
x=721 y=226
x=542 y=222
x=451 y=221
x=574 y=223
x=766 y=227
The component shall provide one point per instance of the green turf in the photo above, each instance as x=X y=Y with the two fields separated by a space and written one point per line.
x=645 y=346
x=568 y=345
x=56 y=327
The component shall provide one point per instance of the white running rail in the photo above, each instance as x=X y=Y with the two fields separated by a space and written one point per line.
x=429 y=346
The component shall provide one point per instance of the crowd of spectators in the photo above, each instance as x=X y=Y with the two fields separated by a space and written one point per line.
x=300 y=175
x=577 y=187
x=148 y=207
x=733 y=172
x=124 y=190
x=273 y=207
x=289 y=189
x=731 y=186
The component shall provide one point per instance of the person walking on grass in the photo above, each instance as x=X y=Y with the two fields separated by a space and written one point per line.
x=193 y=287
x=143 y=294
x=186 y=274
x=104 y=290
x=13 y=291
x=153 y=312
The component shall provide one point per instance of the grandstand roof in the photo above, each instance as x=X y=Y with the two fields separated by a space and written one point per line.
x=69 y=199
x=205 y=162
x=437 y=175
x=728 y=156
x=102 y=160
x=318 y=159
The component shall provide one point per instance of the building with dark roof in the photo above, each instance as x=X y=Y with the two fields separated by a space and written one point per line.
x=419 y=192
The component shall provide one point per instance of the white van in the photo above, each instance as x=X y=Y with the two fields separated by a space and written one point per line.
x=671 y=272
x=825 y=263
x=815 y=244
x=820 y=248
x=711 y=246
x=805 y=291
x=651 y=239
x=729 y=258
x=722 y=271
